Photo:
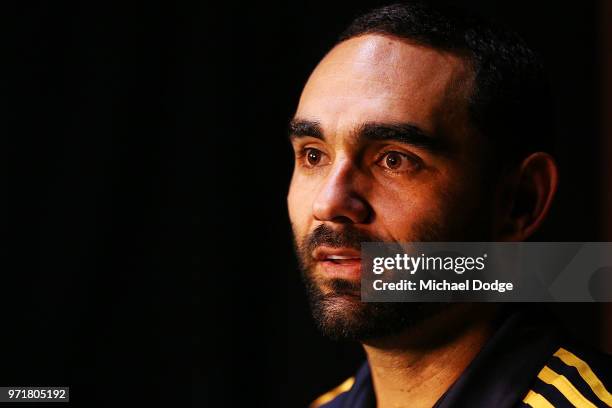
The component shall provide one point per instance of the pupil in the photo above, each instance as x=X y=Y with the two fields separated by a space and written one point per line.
x=392 y=160
x=313 y=157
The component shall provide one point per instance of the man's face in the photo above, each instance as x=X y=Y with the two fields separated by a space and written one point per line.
x=384 y=151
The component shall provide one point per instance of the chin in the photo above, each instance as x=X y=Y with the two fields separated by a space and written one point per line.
x=342 y=306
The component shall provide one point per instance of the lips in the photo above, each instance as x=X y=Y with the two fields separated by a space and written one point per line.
x=342 y=263
x=340 y=258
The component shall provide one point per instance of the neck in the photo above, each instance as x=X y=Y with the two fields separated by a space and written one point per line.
x=416 y=367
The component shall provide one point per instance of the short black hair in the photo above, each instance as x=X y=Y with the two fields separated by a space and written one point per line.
x=510 y=102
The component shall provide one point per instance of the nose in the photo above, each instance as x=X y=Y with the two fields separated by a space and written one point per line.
x=338 y=199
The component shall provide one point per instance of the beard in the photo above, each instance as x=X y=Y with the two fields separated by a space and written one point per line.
x=336 y=303
x=340 y=315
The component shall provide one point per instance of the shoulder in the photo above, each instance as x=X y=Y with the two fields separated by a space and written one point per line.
x=573 y=376
x=356 y=391
x=323 y=400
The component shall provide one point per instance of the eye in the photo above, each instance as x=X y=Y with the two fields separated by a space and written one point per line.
x=312 y=157
x=396 y=161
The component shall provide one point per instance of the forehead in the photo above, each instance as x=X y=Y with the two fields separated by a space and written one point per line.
x=376 y=78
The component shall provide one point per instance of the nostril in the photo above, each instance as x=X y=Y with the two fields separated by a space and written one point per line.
x=341 y=219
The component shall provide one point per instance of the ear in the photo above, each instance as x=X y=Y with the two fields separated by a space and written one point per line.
x=531 y=194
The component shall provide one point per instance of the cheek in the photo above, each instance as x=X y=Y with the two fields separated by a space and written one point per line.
x=299 y=204
x=403 y=212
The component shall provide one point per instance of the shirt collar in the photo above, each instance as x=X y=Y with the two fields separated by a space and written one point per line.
x=498 y=376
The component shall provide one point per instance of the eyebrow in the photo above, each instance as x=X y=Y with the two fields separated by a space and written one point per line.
x=305 y=128
x=405 y=133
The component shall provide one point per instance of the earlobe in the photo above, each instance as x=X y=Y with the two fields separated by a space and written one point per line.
x=533 y=195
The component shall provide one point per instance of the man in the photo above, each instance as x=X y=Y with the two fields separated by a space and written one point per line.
x=427 y=125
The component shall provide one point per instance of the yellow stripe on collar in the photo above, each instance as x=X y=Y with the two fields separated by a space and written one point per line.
x=330 y=395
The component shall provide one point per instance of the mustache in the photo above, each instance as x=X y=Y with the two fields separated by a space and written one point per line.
x=347 y=237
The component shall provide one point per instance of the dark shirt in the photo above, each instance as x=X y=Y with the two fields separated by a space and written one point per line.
x=528 y=362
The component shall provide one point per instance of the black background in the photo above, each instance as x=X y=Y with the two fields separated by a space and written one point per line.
x=150 y=251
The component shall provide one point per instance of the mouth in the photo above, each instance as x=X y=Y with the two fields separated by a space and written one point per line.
x=343 y=263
